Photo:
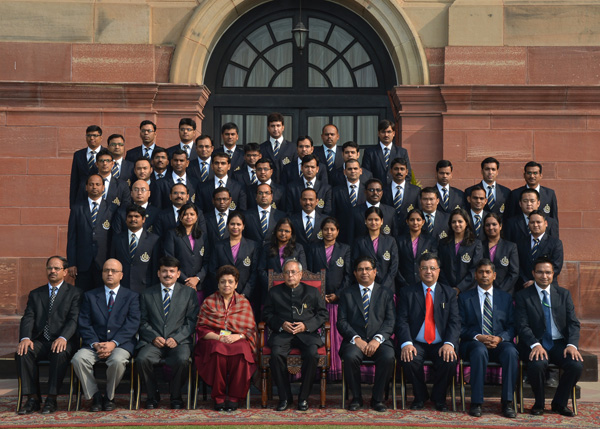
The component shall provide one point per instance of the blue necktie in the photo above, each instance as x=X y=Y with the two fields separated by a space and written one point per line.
x=398 y=198
x=91 y=160
x=276 y=150
x=133 y=244
x=365 y=299
x=490 y=197
x=477 y=225
x=429 y=223
x=47 y=327
x=166 y=302
x=116 y=171
x=353 y=195
x=111 y=301
x=203 y=172
x=253 y=179
x=487 y=315
x=445 y=199
x=329 y=159
x=94 y=213
x=534 y=249
x=547 y=341
x=221 y=224
x=264 y=225
x=309 y=228
x=386 y=157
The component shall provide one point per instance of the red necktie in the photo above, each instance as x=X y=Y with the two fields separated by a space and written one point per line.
x=429 y=321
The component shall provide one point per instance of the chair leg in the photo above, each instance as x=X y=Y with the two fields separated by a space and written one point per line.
x=248 y=400
x=402 y=388
x=462 y=385
x=521 y=405
x=454 y=392
x=20 y=394
x=196 y=391
x=189 y=386
x=323 y=387
x=343 y=387
x=131 y=385
x=138 y=390
x=394 y=386
x=263 y=390
x=574 y=400
x=78 y=398
x=70 y=387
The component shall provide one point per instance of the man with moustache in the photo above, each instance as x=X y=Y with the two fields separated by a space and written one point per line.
x=400 y=194
x=187 y=132
x=122 y=169
x=84 y=161
x=261 y=220
x=230 y=137
x=148 y=137
x=347 y=196
x=328 y=154
x=169 y=217
x=200 y=168
x=140 y=195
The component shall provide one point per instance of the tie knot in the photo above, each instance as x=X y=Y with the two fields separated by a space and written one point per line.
x=490 y=187
x=264 y=212
x=95 y=204
x=166 y=290
x=428 y=290
x=309 y=184
x=487 y=294
x=204 y=163
x=112 y=293
x=54 y=289
x=186 y=147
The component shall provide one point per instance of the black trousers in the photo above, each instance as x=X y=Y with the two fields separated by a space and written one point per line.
x=384 y=366
x=27 y=367
x=310 y=359
x=176 y=359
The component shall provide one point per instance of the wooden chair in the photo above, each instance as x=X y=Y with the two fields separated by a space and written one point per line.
x=370 y=363
x=294 y=360
x=523 y=365
x=462 y=364
x=426 y=363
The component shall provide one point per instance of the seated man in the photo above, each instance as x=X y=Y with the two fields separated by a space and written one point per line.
x=294 y=312
x=487 y=333
x=428 y=328
x=366 y=330
x=169 y=315
x=548 y=333
x=108 y=323
x=47 y=332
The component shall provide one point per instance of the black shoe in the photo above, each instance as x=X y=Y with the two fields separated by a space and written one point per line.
x=379 y=406
x=475 y=410
x=356 y=404
x=96 y=402
x=303 y=405
x=176 y=404
x=220 y=407
x=231 y=406
x=50 y=406
x=151 y=404
x=32 y=405
x=508 y=410
x=441 y=406
x=537 y=410
x=417 y=405
x=562 y=410
x=284 y=405
x=108 y=404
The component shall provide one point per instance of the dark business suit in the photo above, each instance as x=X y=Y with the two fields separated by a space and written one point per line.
x=374 y=161
x=351 y=322
x=386 y=258
x=548 y=202
x=236 y=161
x=341 y=209
x=477 y=353
x=360 y=228
x=80 y=172
x=204 y=195
x=409 y=320
x=408 y=268
x=458 y=269
x=550 y=247
x=268 y=262
x=62 y=322
x=516 y=228
x=119 y=221
x=166 y=221
x=278 y=196
x=194 y=170
x=338 y=271
x=502 y=196
x=194 y=262
x=410 y=200
x=179 y=324
x=481 y=236
x=126 y=172
x=212 y=229
x=97 y=325
x=287 y=150
x=301 y=238
x=164 y=188
x=242 y=176
x=136 y=153
x=506 y=261
x=253 y=230
x=246 y=263
x=88 y=245
x=456 y=198
x=193 y=154
x=531 y=325
x=338 y=160
x=118 y=193
x=290 y=175
x=338 y=178
x=294 y=192
x=440 y=225
x=139 y=272
x=301 y=304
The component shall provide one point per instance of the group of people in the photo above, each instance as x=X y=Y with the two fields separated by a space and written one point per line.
x=185 y=236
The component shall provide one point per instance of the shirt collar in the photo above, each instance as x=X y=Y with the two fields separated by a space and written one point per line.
x=138 y=234
x=540 y=290
x=369 y=288
x=482 y=292
x=176 y=177
x=57 y=286
x=115 y=290
x=425 y=287
x=304 y=214
x=267 y=209
x=386 y=147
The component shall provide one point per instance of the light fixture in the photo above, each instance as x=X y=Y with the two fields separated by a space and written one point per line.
x=300 y=32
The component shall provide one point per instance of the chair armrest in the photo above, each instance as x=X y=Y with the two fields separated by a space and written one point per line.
x=261 y=335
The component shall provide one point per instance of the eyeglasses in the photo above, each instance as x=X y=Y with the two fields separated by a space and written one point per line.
x=92 y=136
x=432 y=269
x=54 y=268
x=116 y=144
x=147 y=131
x=104 y=161
x=110 y=271
x=378 y=190
x=141 y=190
x=186 y=130
x=262 y=169
x=260 y=193
x=364 y=270
x=291 y=273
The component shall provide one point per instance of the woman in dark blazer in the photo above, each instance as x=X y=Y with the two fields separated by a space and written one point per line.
x=459 y=252
x=187 y=243
x=381 y=247
x=240 y=252
x=411 y=245
x=501 y=252
x=335 y=258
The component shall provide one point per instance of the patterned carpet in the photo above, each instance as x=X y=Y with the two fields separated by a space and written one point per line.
x=589 y=416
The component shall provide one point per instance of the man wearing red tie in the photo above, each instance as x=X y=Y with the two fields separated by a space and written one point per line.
x=428 y=328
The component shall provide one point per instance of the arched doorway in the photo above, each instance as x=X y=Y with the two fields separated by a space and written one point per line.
x=342 y=76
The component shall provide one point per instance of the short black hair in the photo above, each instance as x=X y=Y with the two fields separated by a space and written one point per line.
x=187 y=121
x=490 y=160
x=147 y=122
x=169 y=261
x=443 y=163
x=485 y=262
x=62 y=259
x=533 y=164
x=93 y=128
x=364 y=259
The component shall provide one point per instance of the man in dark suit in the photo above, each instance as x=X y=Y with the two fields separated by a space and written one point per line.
x=450 y=197
x=436 y=221
x=148 y=136
x=517 y=227
x=108 y=323
x=377 y=158
x=533 y=176
x=47 y=332
x=496 y=194
x=400 y=194
x=88 y=236
x=169 y=217
x=292 y=173
x=140 y=194
x=221 y=165
x=373 y=194
x=179 y=165
x=160 y=164
x=216 y=219
x=169 y=315
x=121 y=169
x=246 y=174
x=264 y=174
x=548 y=333
x=276 y=148
x=143 y=170
x=366 y=321
x=294 y=312
x=487 y=334
x=310 y=171
x=329 y=155
x=536 y=245
x=187 y=133
x=84 y=161
x=307 y=222
x=230 y=136
x=137 y=250
x=347 y=196
x=200 y=168
x=261 y=220
x=350 y=150
x=428 y=327
x=477 y=200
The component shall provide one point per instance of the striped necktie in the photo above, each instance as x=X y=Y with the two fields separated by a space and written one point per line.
x=91 y=160
x=398 y=198
x=253 y=178
x=477 y=225
x=106 y=182
x=166 y=301
x=47 y=326
x=264 y=223
x=111 y=300
x=204 y=171
x=386 y=157
x=366 y=302
x=445 y=199
x=221 y=224
x=309 y=227
x=487 y=315
x=535 y=248
x=429 y=223
x=329 y=159
x=276 y=149
x=187 y=149
x=353 y=195
x=116 y=171
x=147 y=153
x=490 y=197
x=94 y=213
x=229 y=152
x=133 y=244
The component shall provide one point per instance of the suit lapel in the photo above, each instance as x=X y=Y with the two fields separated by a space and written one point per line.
x=102 y=303
x=438 y=303
x=476 y=308
x=555 y=304
x=323 y=255
x=158 y=302
x=186 y=242
x=357 y=297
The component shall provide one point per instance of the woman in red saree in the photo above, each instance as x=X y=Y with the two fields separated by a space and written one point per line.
x=225 y=353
